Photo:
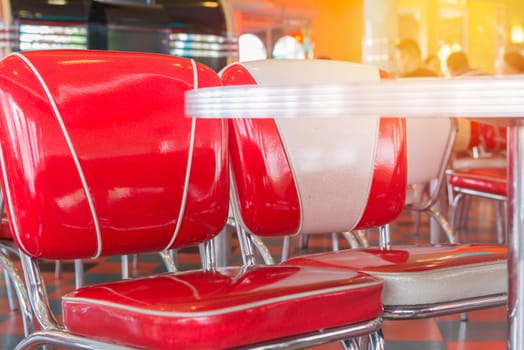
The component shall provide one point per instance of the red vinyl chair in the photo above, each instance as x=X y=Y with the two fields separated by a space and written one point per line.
x=479 y=145
x=99 y=159
x=486 y=183
x=483 y=175
x=318 y=175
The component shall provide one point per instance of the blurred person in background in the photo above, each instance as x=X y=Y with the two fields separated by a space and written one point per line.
x=432 y=62
x=408 y=60
x=513 y=63
x=458 y=65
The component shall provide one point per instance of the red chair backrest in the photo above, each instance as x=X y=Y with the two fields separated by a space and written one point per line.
x=96 y=153
x=491 y=138
x=485 y=137
x=314 y=175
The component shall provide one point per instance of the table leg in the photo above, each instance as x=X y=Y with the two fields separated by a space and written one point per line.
x=515 y=238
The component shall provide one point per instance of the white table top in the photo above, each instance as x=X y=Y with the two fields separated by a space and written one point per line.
x=473 y=97
x=492 y=99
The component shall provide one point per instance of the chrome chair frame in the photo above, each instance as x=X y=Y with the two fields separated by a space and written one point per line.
x=14 y=281
x=354 y=337
x=15 y=285
x=442 y=309
x=459 y=202
x=433 y=189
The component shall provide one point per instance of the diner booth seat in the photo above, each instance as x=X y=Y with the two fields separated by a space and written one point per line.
x=99 y=159
x=317 y=175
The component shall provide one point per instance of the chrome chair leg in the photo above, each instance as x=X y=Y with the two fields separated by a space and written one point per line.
x=443 y=223
x=124 y=259
x=377 y=340
x=351 y=239
x=58 y=269
x=374 y=341
x=14 y=277
x=362 y=239
x=303 y=241
x=169 y=262
x=173 y=256
x=364 y=343
x=501 y=215
x=134 y=261
x=334 y=242
x=9 y=288
x=262 y=249
x=168 y=258
x=349 y=344
x=62 y=339
x=79 y=273
x=285 y=248
x=455 y=209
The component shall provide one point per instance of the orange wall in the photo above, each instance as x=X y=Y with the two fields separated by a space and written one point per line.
x=337 y=28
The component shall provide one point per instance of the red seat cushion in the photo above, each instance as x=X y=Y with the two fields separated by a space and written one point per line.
x=222 y=309
x=5 y=231
x=489 y=180
x=422 y=275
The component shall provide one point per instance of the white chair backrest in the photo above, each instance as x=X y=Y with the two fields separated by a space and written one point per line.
x=428 y=145
x=463 y=137
x=332 y=159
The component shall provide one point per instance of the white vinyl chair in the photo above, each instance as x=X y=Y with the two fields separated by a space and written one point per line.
x=313 y=175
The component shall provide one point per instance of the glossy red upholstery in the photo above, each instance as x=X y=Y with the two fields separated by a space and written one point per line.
x=479 y=145
x=129 y=145
x=99 y=159
x=5 y=231
x=223 y=309
x=490 y=138
x=489 y=180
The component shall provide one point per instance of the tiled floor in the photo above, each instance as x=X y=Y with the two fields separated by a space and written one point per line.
x=485 y=329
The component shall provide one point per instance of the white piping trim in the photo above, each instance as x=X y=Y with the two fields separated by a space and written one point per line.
x=188 y=165
x=71 y=149
x=221 y=311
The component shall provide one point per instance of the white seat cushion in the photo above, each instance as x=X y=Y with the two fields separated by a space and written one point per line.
x=422 y=275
